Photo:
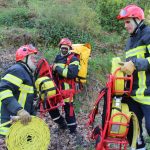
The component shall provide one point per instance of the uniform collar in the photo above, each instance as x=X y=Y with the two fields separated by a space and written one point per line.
x=138 y=30
x=26 y=66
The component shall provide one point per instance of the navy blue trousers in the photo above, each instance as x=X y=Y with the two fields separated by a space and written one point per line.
x=141 y=111
x=71 y=120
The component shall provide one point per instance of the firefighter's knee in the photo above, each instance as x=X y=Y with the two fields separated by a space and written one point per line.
x=54 y=113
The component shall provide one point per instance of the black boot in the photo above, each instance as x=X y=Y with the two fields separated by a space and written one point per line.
x=55 y=115
x=62 y=123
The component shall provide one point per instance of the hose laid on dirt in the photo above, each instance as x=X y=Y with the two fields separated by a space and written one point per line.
x=34 y=136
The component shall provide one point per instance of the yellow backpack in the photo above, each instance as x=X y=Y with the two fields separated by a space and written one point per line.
x=45 y=87
x=83 y=51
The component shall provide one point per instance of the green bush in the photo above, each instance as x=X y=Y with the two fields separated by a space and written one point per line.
x=108 y=11
x=76 y=13
x=20 y=17
x=74 y=20
x=51 y=33
x=100 y=66
x=50 y=53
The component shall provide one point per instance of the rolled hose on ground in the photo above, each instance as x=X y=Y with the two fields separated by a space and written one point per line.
x=34 y=136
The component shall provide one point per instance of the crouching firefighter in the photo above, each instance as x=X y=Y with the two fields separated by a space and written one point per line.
x=17 y=88
x=65 y=72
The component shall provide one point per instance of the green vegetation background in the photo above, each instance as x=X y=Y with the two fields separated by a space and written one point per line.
x=45 y=22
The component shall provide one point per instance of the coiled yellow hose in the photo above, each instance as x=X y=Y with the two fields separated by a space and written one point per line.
x=119 y=83
x=34 y=136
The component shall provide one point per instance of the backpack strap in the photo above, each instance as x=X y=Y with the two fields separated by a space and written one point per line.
x=36 y=74
x=69 y=59
x=80 y=86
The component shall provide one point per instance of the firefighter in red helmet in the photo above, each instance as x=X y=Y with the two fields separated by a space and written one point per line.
x=65 y=71
x=137 y=63
x=65 y=46
x=17 y=88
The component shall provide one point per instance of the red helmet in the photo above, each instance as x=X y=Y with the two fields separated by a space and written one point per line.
x=131 y=11
x=65 y=41
x=24 y=51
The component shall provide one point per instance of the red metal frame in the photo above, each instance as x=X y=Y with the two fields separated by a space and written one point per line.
x=107 y=138
x=67 y=93
x=114 y=78
x=53 y=101
x=111 y=122
x=57 y=100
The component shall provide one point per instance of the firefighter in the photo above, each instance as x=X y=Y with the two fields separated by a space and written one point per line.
x=65 y=72
x=17 y=88
x=137 y=63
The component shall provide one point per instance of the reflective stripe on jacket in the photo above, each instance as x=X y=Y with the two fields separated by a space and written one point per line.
x=67 y=71
x=138 y=50
x=16 y=92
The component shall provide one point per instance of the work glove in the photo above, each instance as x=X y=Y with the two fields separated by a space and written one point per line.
x=127 y=67
x=24 y=116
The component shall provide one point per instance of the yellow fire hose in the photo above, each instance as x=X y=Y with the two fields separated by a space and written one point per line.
x=34 y=136
x=119 y=84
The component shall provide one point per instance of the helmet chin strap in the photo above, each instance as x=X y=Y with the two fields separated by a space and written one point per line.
x=26 y=64
x=26 y=61
x=66 y=54
x=137 y=26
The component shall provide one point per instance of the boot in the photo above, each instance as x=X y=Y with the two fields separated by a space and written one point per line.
x=72 y=129
x=62 y=123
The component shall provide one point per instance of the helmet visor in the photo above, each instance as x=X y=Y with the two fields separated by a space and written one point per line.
x=123 y=14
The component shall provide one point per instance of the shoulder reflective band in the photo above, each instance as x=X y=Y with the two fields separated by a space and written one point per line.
x=5 y=94
x=136 y=51
x=12 y=79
